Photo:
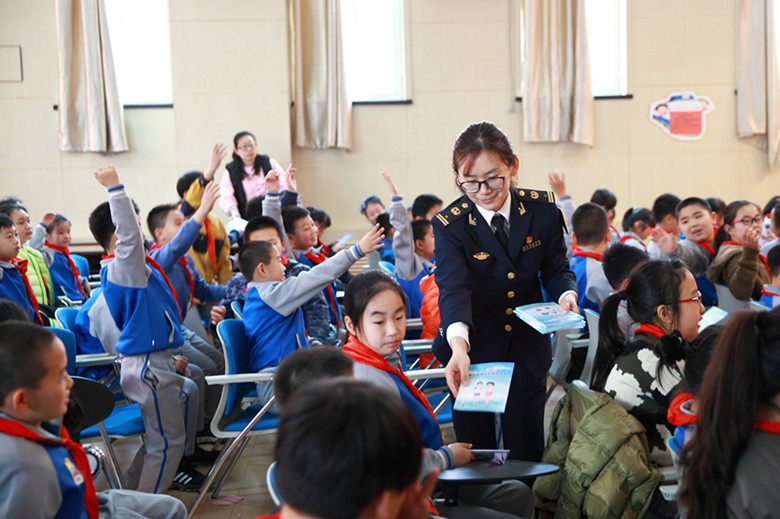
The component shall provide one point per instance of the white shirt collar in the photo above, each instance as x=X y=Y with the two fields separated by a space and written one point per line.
x=504 y=210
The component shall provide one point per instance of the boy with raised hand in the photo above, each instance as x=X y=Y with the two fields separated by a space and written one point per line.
x=43 y=473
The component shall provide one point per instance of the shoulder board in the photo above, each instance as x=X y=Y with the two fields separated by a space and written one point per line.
x=534 y=195
x=454 y=211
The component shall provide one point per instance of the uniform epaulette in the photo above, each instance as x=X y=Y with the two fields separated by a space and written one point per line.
x=454 y=211
x=532 y=195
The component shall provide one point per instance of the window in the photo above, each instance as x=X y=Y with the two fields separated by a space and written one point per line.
x=141 y=46
x=606 y=20
x=374 y=48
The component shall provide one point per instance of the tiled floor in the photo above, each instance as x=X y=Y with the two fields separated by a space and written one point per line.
x=247 y=480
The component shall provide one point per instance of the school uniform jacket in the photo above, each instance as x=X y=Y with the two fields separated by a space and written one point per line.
x=480 y=283
x=592 y=284
x=409 y=267
x=12 y=287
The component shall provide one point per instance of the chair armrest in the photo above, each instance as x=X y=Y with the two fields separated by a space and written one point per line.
x=417 y=374
x=94 y=359
x=221 y=380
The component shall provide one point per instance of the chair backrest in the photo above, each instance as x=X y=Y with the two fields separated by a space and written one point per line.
x=69 y=340
x=727 y=301
x=592 y=318
x=270 y=481
x=236 y=350
x=387 y=266
x=82 y=264
x=238 y=308
x=96 y=400
x=66 y=316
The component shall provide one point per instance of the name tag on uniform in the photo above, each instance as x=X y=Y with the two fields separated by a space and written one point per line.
x=530 y=243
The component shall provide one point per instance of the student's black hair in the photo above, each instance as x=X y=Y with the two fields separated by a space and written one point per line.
x=9 y=207
x=383 y=220
x=589 y=224
x=699 y=356
x=340 y=444
x=773 y=260
x=11 y=200
x=21 y=346
x=776 y=216
x=716 y=204
x=5 y=221
x=319 y=216
x=637 y=214
x=101 y=226
x=290 y=215
x=769 y=205
x=10 y=311
x=742 y=374
x=303 y=367
x=263 y=222
x=604 y=198
x=651 y=284
x=251 y=254
x=186 y=180
x=58 y=219
x=420 y=229
x=424 y=203
x=692 y=200
x=254 y=207
x=370 y=199
x=361 y=290
x=619 y=260
x=158 y=216
x=664 y=205
x=728 y=218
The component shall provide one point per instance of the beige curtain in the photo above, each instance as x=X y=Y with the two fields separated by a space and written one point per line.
x=90 y=112
x=557 y=97
x=322 y=110
x=758 y=94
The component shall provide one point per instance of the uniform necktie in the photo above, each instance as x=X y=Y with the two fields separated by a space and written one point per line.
x=498 y=222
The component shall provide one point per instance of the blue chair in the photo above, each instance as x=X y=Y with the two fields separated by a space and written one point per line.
x=66 y=317
x=387 y=266
x=238 y=309
x=69 y=340
x=82 y=264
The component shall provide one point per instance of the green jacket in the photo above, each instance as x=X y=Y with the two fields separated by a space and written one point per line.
x=602 y=450
x=38 y=276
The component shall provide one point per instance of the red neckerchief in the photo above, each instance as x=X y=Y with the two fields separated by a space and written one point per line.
x=706 y=246
x=21 y=266
x=760 y=256
x=285 y=259
x=318 y=258
x=675 y=414
x=156 y=266
x=190 y=281
x=210 y=247
x=324 y=248
x=766 y=426
x=576 y=251
x=652 y=329
x=18 y=430
x=624 y=239
x=361 y=353
x=73 y=267
x=614 y=230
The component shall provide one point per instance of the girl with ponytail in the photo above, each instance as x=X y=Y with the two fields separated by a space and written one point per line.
x=732 y=464
x=662 y=297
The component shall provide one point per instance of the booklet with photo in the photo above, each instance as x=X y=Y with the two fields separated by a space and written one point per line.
x=488 y=388
x=549 y=317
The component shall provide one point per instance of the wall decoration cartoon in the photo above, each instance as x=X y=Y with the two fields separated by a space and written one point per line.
x=681 y=115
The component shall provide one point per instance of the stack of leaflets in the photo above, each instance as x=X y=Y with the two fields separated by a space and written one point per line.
x=549 y=317
x=488 y=388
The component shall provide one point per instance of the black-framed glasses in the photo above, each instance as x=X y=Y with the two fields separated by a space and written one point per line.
x=472 y=186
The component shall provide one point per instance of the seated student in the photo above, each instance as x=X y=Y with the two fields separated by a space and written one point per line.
x=718 y=207
x=37 y=272
x=386 y=250
x=371 y=207
x=770 y=293
x=43 y=473
x=65 y=276
x=14 y=284
x=637 y=224
x=774 y=219
x=302 y=368
x=323 y=473
x=375 y=315
x=426 y=206
x=697 y=251
x=273 y=319
x=640 y=373
x=591 y=236
x=732 y=464
x=665 y=217
x=618 y=262
x=322 y=221
x=767 y=234
x=737 y=263
x=137 y=317
x=607 y=199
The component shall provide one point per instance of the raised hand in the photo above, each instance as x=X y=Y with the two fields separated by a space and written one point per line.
x=666 y=241
x=751 y=237
x=207 y=201
x=390 y=184
x=218 y=154
x=371 y=241
x=272 y=182
x=557 y=182
x=107 y=176
x=289 y=179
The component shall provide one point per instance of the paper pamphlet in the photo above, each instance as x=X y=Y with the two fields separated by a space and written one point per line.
x=549 y=317
x=488 y=388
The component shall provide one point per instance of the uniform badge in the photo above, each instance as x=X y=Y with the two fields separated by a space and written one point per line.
x=534 y=195
x=455 y=211
x=522 y=193
x=472 y=220
x=78 y=478
x=521 y=208
x=442 y=219
x=530 y=243
x=465 y=205
x=529 y=239
x=481 y=256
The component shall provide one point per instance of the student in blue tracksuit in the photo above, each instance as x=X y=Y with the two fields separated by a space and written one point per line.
x=495 y=247
x=770 y=293
x=592 y=237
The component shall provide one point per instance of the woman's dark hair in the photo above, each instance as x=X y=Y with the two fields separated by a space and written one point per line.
x=637 y=214
x=341 y=443
x=477 y=138
x=362 y=289
x=319 y=216
x=237 y=174
x=699 y=357
x=604 y=198
x=729 y=214
x=744 y=371
x=651 y=284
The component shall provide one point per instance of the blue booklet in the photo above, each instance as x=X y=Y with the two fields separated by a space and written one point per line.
x=488 y=388
x=549 y=317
